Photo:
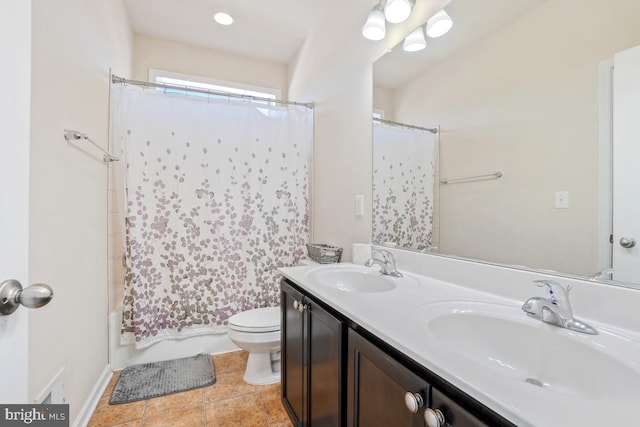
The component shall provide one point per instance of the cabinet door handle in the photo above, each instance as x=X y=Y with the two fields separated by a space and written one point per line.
x=298 y=305
x=413 y=401
x=434 y=418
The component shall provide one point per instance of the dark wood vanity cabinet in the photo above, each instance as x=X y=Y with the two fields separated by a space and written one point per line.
x=383 y=392
x=377 y=385
x=335 y=373
x=312 y=369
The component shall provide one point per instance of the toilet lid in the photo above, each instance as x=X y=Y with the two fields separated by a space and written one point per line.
x=256 y=320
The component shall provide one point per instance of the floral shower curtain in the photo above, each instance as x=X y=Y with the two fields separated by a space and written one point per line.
x=404 y=162
x=216 y=200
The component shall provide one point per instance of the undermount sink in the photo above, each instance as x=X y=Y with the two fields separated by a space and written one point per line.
x=352 y=278
x=501 y=340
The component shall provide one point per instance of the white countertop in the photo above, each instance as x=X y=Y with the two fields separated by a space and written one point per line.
x=391 y=316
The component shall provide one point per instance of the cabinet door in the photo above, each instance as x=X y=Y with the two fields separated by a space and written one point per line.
x=325 y=376
x=293 y=367
x=377 y=385
x=454 y=414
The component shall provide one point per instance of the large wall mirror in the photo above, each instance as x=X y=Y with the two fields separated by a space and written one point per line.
x=522 y=88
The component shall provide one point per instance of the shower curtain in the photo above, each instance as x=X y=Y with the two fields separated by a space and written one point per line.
x=216 y=200
x=404 y=162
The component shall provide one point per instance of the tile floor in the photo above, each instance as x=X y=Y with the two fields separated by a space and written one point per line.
x=230 y=402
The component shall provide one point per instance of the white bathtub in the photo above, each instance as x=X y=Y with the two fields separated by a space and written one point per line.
x=121 y=356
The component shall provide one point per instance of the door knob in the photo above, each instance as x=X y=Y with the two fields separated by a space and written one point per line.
x=434 y=418
x=12 y=296
x=627 y=242
x=413 y=401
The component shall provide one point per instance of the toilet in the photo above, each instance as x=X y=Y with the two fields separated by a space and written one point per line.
x=258 y=332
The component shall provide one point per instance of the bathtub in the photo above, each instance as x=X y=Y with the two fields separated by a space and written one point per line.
x=121 y=356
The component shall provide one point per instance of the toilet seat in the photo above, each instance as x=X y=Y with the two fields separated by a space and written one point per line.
x=257 y=320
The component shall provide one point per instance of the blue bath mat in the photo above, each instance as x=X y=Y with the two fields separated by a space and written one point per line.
x=149 y=380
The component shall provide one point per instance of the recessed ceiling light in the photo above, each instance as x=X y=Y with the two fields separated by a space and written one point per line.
x=223 y=18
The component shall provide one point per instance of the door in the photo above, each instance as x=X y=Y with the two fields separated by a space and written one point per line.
x=325 y=367
x=626 y=169
x=15 y=49
x=293 y=365
x=312 y=368
x=382 y=392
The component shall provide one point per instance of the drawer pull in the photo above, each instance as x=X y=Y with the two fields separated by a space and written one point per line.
x=434 y=418
x=413 y=401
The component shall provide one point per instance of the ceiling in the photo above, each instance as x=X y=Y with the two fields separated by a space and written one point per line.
x=276 y=29
x=472 y=20
x=272 y=30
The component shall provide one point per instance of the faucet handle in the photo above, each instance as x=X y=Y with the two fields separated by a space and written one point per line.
x=386 y=255
x=558 y=293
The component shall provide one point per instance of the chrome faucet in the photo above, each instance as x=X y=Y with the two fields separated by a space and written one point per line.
x=385 y=260
x=556 y=308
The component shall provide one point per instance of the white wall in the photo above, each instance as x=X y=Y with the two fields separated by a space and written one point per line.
x=75 y=43
x=182 y=58
x=334 y=70
x=524 y=101
x=383 y=99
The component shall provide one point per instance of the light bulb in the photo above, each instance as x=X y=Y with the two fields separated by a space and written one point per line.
x=439 y=24
x=397 y=11
x=223 y=18
x=374 y=28
x=415 y=41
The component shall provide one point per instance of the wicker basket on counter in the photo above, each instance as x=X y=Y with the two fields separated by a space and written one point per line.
x=324 y=254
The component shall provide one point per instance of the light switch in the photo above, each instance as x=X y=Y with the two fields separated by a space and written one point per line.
x=359 y=205
x=562 y=199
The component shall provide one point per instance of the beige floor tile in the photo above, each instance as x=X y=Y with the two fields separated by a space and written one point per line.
x=233 y=361
x=110 y=415
x=174 y=402
x=272 y=405
x=137 y=423
x=238 y=411
x=229 y=384
x=230 y=402
x=191 y=417
x=271 y=393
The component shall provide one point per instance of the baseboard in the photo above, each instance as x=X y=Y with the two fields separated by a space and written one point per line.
x=94 y=397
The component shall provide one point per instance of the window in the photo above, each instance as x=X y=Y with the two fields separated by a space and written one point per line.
x=178 y=79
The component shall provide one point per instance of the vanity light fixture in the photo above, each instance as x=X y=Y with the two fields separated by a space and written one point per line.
x=375 y=29
x=397 y=11
x=415 y=41
x=223 y=18
x=439 y=24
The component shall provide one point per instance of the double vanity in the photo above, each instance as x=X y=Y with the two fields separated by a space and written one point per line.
x=407 y=348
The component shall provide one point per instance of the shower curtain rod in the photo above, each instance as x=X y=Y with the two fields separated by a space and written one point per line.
x=121 y=80
x=392 y=123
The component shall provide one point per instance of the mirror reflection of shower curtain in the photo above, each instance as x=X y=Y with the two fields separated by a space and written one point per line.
x=404 y=162
x=216 y=201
